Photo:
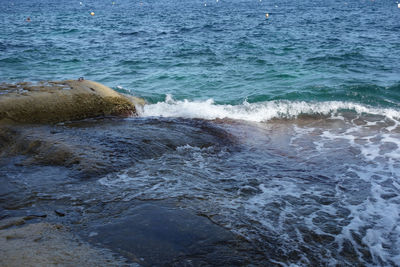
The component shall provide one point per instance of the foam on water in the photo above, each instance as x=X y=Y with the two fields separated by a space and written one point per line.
x=259 y=112
x=307 y=192
x=372 y=194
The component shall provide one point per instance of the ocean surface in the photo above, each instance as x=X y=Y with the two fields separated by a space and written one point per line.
x=283 y=130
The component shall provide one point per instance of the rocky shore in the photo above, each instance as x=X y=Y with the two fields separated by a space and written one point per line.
x=57 y=141
x=28 y=114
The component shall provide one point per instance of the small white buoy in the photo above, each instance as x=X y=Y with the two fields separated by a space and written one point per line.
x=266 y=15
x=398 y=5
x=80 y=3
x=217 y=1
x=205 y=4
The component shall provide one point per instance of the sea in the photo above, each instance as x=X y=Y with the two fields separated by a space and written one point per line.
x=283 y=129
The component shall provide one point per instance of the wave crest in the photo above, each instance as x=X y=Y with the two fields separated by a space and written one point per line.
x=258 y=112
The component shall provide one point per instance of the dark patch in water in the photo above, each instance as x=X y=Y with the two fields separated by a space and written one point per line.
x=134 y=33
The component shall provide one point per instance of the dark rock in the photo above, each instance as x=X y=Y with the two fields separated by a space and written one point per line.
x=154 y=235
x=34 y=216
x=60 y=213
x=95 y=147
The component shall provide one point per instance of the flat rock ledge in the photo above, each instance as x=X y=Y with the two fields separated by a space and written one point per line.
x=58 y=101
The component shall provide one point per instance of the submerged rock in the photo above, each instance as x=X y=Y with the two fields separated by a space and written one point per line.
x=58 y=101
x=158 y=234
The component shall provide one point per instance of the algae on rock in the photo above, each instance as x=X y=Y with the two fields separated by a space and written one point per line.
x=52 y=102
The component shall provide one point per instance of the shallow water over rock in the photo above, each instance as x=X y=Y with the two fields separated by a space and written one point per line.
x=158 y=233
x=309 y=191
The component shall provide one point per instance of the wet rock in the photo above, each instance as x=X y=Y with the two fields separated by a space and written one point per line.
x=154 y=235
x=59 y=213
x=94 y=147
x=34 y=216
x=10 y=222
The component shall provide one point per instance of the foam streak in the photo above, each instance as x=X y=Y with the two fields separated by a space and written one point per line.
x=258 y=112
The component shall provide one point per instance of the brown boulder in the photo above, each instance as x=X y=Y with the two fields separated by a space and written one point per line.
x=57 y=101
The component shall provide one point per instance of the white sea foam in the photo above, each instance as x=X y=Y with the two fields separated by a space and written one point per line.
x=331 y=186
x=258 y=112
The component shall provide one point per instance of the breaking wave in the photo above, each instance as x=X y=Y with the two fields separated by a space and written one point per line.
x=259 y=112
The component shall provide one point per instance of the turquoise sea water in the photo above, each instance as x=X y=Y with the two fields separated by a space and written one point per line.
x=226 y=50
x=284 y=131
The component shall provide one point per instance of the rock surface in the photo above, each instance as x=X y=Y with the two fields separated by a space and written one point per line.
x=94 y=147
x=58 y=101
x=161 y=234
x=44 y=244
